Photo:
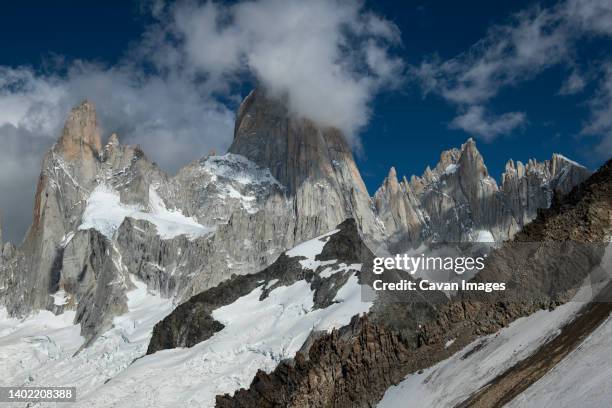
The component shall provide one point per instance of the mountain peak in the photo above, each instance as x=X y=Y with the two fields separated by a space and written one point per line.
x=315 y=164
x=471 y=160
x=113 y=140
x=293 y=149
x=81 y=135
x=469 y=145
x=392 y=176
x=391 y=183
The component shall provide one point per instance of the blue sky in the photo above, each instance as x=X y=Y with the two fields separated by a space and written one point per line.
x=555 y=97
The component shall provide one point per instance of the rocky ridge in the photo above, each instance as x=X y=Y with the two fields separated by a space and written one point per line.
x=342 y=251
x=458 y=201
x=105 y=211
x=353 y=366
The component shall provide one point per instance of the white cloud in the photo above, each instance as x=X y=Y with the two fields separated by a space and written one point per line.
x=328 y=58
x=511 y=53
x=600 y=122
x=476 y=121
x=590 y=15
x=573 y=84
x=176 y=90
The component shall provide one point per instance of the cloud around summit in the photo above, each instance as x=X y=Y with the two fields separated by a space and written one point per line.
x=175 y=91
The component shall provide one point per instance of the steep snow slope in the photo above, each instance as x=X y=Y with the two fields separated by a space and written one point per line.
x=453 y=380
x=105 y=213
x=581 y=380
x=258 y=334
x=583 y=377
x=40 y=350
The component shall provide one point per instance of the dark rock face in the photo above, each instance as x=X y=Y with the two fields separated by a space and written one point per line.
x=192 y=322
x=316 y=165
x=352 y=367
x=93 y=278
x=347 y=368
x=284 y=181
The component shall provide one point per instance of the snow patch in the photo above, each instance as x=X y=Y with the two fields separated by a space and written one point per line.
x=239 y=169
x=484 y=236
x=105 y=213
x=271 y=283
x=330 y=271
x=60 y=298
x=310 y=249
x=569 y=160
x=236 y=177
x=66 y=239
x=257 y=335
x=451 y=169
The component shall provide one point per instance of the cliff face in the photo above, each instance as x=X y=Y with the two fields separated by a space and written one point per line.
x=67 y=177
x=353 y=366
x=105 y=211
x=458 y=201
x=315 y=165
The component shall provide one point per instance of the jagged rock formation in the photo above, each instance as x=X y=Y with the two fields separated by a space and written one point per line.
x=84 y=239
x=236 y=216
x=342 y=369
x=316 y=166
x=458 y=201
x=68 y=175
x=103 y=212
x=352 y=367
x=532 y=186
x=192 y=322
x=399 y=210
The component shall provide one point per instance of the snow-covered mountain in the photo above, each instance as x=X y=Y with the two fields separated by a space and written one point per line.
x=458 y=201
x=280 y=231
x=472 y=348
x=312 y=287
x=103 y=212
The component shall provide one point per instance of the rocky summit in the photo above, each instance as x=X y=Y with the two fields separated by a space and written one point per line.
x=249 y=275
x=359 y=364
x=105 y=212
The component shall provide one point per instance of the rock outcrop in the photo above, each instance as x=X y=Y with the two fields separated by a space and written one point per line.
x=458 y=201
x=353 y=366
x=315 y=165
x=192 y=322
x=105 y=211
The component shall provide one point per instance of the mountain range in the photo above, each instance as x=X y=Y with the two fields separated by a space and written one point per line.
x=242 y=261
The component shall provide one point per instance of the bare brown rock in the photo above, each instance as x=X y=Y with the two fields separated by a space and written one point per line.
x=352 y=367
